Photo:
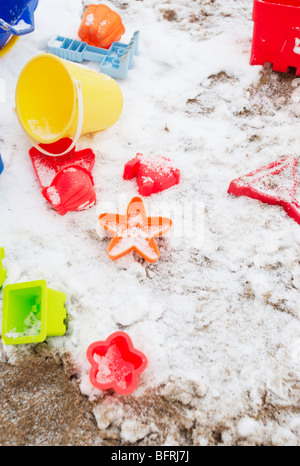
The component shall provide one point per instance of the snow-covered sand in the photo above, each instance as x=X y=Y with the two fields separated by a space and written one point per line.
x=218 y=315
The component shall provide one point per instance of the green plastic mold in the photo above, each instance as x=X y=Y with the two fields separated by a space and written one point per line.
x=32 y=312
x=2 y=271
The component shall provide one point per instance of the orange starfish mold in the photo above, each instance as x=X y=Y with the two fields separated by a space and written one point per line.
x=134 y=231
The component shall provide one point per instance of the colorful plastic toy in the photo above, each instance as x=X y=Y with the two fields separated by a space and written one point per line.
x=2 y=271
x=16 y=19
x=116 y=364
x=31 y=313
x=114 y=62
x=71 y=190
x=275 y=184
x=56 y=99
x=66 y=181
x=101 y=26
x=1 y=165
x=134 y=231
x=276 y=34
x=154 y=174
x=47 y=167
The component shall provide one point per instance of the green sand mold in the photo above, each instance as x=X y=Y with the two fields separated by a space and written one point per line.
x=2 y=271
x=32 y=312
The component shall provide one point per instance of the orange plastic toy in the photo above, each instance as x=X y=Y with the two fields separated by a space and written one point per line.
x=134 y=231
x=101 y=26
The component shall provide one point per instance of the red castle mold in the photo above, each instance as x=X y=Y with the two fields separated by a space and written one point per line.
x=154 y=174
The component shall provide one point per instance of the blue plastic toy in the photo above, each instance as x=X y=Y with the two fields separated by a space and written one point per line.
x=16 y=19
x=1 y=165
x=114 y=62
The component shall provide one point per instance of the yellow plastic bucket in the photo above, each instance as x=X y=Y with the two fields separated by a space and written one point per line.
x=57 y=99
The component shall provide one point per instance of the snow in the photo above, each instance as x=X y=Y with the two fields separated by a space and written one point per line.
x=53 y=195
x=21 y=26
x=32 y=326
x=54 y=42
x=297 y=46
x=247 y=427
x=218 y=315
x=89 y=19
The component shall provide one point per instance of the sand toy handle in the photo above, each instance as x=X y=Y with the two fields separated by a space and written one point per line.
x=79 y=126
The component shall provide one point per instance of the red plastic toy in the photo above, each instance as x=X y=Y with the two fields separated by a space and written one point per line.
x=154 y=174
x=66 y=181
x=276 y=34
x=72 y=189
x=134 y=231
x=47 y=167
x=275 y=184
x=116 y=364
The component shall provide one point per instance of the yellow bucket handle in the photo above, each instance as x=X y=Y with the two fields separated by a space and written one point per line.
x=79 y=126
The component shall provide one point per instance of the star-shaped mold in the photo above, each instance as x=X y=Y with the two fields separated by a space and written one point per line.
x=134 y=231
x=274 y=184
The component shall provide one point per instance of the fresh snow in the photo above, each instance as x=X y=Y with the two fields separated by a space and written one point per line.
x=218 y=319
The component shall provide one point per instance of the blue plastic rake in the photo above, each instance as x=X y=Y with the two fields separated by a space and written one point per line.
x=115 y=62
